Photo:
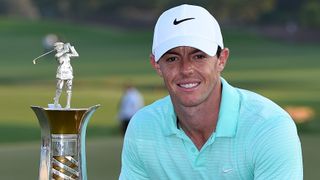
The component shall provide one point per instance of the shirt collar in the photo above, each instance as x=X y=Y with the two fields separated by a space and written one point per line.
x=228 y=113
x=172 y=127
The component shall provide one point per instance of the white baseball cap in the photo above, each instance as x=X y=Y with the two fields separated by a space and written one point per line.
x=186 y=25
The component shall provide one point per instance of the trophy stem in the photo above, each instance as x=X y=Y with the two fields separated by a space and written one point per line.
x=63 y=132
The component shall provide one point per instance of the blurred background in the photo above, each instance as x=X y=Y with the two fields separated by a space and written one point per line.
x=274 y=44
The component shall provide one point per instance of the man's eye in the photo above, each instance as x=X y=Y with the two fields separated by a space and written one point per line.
x=199 y=56
x=171 y=59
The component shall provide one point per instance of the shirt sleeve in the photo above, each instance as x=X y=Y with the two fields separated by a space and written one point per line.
x=131 y=164
x=276 y=151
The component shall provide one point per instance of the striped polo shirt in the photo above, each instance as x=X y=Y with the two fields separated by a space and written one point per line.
x=254 y=139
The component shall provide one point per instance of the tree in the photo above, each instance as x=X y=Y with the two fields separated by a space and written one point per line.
x=310 y=14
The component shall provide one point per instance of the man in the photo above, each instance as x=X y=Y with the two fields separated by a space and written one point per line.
x=205 y=129
x=131 y=102
x=64 y=71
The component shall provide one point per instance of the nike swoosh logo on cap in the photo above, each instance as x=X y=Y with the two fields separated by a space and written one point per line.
x=176 y=22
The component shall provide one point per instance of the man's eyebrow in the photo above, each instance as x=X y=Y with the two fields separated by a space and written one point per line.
x=171 y=52
x=195 y=51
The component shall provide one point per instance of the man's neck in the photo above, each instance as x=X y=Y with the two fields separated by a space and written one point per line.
x=200 y=122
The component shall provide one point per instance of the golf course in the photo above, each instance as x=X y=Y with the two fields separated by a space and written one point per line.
x=109 y=57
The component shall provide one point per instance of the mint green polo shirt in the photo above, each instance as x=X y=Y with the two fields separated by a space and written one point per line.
x=254 y=139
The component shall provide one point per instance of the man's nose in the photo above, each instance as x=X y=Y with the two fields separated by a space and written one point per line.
x=186 y=67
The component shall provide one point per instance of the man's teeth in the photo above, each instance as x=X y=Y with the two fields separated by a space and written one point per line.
x=189 y=85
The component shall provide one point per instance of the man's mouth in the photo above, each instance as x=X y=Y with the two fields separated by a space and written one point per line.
x=188 y=85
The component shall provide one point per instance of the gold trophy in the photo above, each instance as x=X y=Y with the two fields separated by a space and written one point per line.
x=63 y=130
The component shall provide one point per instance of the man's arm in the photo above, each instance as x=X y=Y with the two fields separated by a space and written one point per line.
x=277 y=152
x=131 y=164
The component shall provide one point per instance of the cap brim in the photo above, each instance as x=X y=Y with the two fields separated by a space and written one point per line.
x=202 y=44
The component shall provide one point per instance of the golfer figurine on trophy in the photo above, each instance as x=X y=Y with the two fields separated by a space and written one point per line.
x=63 y=130
x=64 y=72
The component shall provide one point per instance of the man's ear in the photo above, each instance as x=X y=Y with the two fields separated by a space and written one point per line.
x=223 y=58
x=155 y=65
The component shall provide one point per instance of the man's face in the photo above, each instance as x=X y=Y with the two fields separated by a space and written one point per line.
x=190 y=75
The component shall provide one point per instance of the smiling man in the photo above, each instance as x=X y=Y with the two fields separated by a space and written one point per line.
x=205 y=128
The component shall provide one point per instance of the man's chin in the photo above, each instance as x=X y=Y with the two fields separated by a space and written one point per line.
x=189 y=102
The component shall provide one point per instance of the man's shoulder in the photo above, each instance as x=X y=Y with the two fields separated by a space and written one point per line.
x=251 y=103
x=157 y=108
x=153 y=117
x=258 y=104
x=261 y=119
x=259 y=114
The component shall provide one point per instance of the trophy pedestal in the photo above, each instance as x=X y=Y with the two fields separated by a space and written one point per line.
x=63 y=131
